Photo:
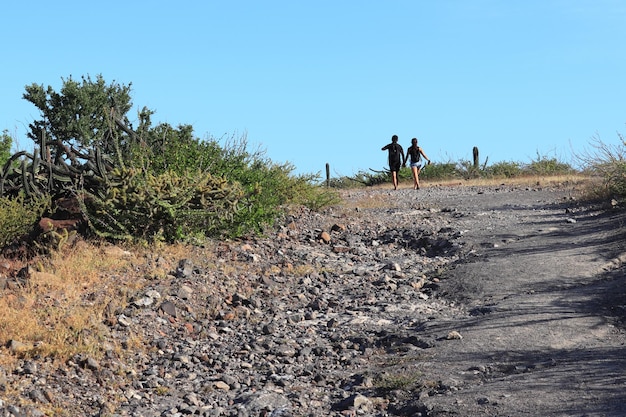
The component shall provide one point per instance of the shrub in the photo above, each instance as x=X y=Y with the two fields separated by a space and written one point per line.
x=504 y=169
x=368 y=178
x=268 y=188
x=18 y=215
x=167 y=206
x=6 y=141
x=303 y=191
x=467 y=170
x=82 y=114
x=402 y=380
x=544 y=166
x=345 y=183
x=150 y=182
x=440 y=171
x=319 y=197
x=609 y=163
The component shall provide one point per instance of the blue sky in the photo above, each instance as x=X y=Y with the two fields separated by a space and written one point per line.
x=329 y=81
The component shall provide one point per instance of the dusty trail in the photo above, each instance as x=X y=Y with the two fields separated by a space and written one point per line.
x=544 y=289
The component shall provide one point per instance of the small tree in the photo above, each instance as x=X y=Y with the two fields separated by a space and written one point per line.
x=164 y=148
x=81 y=115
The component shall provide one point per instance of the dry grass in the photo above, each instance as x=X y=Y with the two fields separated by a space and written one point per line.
x=522 y=181
x=370 y=199
x=56 y=310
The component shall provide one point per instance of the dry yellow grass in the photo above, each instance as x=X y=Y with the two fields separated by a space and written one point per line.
x=522 y=181
x=57 y=310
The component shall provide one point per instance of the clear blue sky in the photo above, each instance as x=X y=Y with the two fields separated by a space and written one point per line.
x=329 y=81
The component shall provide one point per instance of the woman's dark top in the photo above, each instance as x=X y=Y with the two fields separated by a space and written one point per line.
x=414 y=154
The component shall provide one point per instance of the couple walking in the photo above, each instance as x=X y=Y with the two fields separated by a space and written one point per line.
x=397 y=158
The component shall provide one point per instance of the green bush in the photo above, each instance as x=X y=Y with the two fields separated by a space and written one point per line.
x=544 y=166
x=269 y=188
x=504 y=170
x=18 y=216
x=165 y=182
x=439 y=171
x=266 y=187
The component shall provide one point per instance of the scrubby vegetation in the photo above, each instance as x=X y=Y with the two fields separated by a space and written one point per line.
x=17 y=216
x=149 y=183
x=607 y=162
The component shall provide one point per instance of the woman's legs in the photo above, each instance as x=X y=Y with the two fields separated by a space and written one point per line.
x=416 y=181
x=417 y=177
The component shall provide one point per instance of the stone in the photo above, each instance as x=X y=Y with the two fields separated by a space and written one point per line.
x=454 y=335
x=221 y=385
x=185 y=292
x=324 y=237
x=270 y=326
x=184 y=269
x=168 y=308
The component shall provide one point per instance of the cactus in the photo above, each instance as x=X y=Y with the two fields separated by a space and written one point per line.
x=165 y=206
x=119 y=202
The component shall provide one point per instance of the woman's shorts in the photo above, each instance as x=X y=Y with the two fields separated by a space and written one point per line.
x=417 y=164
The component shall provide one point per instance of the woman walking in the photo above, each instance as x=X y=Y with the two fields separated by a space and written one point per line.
x=414 y=154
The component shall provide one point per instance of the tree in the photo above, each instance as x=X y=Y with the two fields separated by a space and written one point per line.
x=81 y=115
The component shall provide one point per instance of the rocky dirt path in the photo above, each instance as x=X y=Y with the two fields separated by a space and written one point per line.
x=544 y=292
x=447 y=301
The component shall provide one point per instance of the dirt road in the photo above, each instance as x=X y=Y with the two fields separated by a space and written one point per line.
x=543 y=286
